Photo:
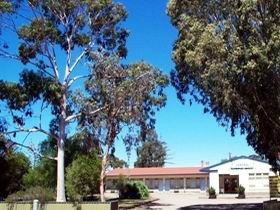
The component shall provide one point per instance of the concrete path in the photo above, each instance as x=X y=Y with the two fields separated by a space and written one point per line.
x=199 y=201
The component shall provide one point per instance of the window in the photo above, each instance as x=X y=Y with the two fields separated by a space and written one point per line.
x=152 y=183
x=191 y=183
x=177 y=183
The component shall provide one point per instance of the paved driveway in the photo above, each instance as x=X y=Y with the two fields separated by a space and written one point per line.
x=199 y=201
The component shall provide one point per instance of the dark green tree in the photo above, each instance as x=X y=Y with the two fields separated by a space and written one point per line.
x=82 y=177
x=152 y=152
x=227 y=58
x=115 y=162
x=14 y=165
x=127 y=96
x=43 y=174
x=54 y=38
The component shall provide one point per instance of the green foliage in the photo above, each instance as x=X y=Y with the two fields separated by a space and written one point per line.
x=43 y=175
x=5 y=6
x=32 y=193
x=82 y=176
x=121 y=181
x=85 y=22
x=227 y=58
x=152 y=152
x=13 y=167
x=44 y=172
x=115 y=162
x=127 y=96
x=133 y=190
x=211 y=191
x=240 y=190
x=52 y=39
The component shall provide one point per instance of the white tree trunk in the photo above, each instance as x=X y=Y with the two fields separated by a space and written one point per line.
x=60 y=191
x=60 y=196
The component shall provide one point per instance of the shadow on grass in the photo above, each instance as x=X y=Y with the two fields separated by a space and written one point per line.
x=245 y=206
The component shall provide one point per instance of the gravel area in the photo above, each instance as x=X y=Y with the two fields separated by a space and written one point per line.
x=199 y=201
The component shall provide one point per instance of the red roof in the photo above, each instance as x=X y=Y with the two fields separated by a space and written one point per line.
x=154 y=171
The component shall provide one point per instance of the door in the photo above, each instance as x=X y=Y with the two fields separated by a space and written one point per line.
x=203 y=184
x=160 y=185
x=231 y=183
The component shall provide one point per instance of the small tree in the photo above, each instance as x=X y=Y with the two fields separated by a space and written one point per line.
x=152 y=152
x=82 y=176
x=127 y=96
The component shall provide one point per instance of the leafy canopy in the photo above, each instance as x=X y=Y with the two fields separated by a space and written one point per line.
x=152 y=152
x=227 y=58
x=126 y=95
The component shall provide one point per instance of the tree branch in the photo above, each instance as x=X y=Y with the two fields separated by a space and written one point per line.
x=69 y=69
x=51 y=57
x=32 y=150
x=74 y=116
x=78 y=59
x=31 y=130
x=77 y=78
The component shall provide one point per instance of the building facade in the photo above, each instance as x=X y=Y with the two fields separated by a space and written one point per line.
x=162 y=179
x=250 y=173
x=224 y=177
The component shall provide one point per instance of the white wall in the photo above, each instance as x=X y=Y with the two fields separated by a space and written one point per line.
x=214 y=181
x=253 y=175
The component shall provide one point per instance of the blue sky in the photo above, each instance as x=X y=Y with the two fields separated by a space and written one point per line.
x=191 y=136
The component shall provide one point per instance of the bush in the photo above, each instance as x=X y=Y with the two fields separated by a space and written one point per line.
x=212 y=192
x=121 y=182
x=134 y=190
x=43 y=174
x=241 y=191
x=40 y=193
x=82 y=177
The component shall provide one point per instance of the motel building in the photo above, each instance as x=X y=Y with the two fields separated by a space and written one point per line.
x=224 y=177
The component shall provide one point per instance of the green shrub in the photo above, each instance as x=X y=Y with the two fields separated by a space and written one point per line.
x=212 y=192
x=82 y=177
x=241 y=191
x=121 y=182
x=40 y=193
x=134 y=190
